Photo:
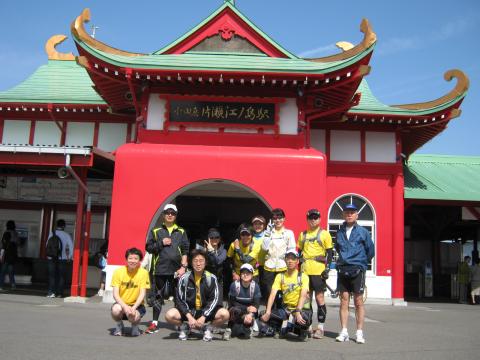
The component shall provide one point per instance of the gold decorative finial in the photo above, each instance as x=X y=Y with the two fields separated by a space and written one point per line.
x=344 y=45
x=463 y=83
x=369 y=38
x=52 y=53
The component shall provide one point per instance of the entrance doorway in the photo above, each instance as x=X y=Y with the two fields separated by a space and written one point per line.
x=215 y=203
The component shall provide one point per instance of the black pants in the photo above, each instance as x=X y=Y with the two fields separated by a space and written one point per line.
x=56 y=276
x=163 y=286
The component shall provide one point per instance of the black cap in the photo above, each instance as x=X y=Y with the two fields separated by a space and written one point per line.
x=213 y=233
x=313 y=212
x=350 y=207
x=245 y=230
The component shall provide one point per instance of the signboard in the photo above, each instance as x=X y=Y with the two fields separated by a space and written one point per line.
x=224 y=112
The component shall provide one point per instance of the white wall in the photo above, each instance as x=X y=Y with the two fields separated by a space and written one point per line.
x=380 y=147
x=16 y=132
x=46 y=133
x=79 y=134
x=111 y=136
x=288 y=117
x=345 y=145
x=156 y=112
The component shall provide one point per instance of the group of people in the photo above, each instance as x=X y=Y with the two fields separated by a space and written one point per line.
x=469 y=280
x=265 y=261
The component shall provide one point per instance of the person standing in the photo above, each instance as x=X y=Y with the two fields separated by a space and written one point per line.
x=8 y=254
x=316 y=248
x=355 y=250
x=243 y=251
x=57 y=265
x=169 y=247
x=464 y=279
x=258 y=224
x=130 y=284
x=277 y=241
x=475 y=277
x=216 y=256
x=197 y=300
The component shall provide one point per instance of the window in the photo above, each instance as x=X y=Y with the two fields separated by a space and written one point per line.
x=366 y=218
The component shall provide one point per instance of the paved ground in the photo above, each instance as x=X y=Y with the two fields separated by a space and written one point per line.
x=34 y=327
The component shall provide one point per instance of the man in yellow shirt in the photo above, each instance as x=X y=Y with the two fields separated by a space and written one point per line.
x=130 y=284
x=316 y=247
x=243 y=251
x=294 y=287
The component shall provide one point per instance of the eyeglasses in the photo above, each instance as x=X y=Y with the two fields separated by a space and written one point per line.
x=245 y=273
x=171 y=213
x=313 y=217
x=277 y=217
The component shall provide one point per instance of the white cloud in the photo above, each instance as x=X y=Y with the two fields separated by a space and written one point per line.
x=322 y=50
x=395 y=45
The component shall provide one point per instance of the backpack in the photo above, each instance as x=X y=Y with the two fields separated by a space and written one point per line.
x=54 y=246
x=99 y=260
x=252 y=288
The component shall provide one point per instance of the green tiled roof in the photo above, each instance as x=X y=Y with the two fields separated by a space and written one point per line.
x=62 y=82
x=222 y=62
x=369 y=104
x=441 y=177
x=243 y=17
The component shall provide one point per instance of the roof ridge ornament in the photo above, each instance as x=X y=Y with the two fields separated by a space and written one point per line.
x=52 y=53
x=369 y=38
x=463 y=83
x=344 y=45
x=80 y=34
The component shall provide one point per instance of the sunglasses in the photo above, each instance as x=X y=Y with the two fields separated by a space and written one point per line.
x=277 y=217
x=313 y=217
x=173 y=213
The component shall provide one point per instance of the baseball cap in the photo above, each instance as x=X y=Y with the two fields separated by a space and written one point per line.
x=245 y=229
x=258 y=218
x=170 y=207
x=313 y=212
x=246 y=267
x=292 y=252
x=350 y=207
x=213 y=233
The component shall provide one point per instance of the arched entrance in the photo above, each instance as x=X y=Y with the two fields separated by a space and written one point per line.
x=219 y=203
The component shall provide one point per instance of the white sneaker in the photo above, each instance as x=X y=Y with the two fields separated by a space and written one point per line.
x=50 y=295
x=342 y=337
x=227 y=333
x=359 y=338
x=255 y=326
x=183 y=334
x=207 y=334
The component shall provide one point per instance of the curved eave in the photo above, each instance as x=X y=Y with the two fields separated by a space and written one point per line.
x=220 y=63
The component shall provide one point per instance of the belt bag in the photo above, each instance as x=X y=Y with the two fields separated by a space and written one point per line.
x=349 y=273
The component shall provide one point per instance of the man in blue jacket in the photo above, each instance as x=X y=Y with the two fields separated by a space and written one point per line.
x=355 y=250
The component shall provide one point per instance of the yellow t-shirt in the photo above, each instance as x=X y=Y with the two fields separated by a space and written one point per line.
x=290 y=287
x=129 y=284
x=246 y=251
x=198 y=298
x=311 y=248
x=171 y=228
x=261 y=253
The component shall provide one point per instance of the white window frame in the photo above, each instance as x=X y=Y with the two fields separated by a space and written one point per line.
x=366 y=223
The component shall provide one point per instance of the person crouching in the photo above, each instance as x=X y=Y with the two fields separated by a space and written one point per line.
x=197 y=300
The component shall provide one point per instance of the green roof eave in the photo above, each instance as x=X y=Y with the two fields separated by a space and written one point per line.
x=222 y=62
x=62 y=82
x=442 y=177
x=239 y=14
x=369 y=104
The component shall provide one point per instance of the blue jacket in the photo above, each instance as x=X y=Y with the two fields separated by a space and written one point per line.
x=358 y=250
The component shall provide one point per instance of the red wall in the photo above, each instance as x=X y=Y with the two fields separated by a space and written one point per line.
x=147 y=175
x=377 y=189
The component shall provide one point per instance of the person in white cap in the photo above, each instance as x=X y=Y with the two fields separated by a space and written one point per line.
x=169 y=246
x=243 y=301
x=294 y=287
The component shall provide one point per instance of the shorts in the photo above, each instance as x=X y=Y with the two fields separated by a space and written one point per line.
x=354 y=284
x=197 y=313
x=317 y=283
x=141 y=310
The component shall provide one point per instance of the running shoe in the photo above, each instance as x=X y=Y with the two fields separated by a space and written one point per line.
x=118 y=331
x=359 y=338
x=152 y=328
x=183 y=334
x=342 y=337
x=207 y=334
x=226 y=334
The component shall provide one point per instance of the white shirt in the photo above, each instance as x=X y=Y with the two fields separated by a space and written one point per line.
x=67 y=244
x=348 y=230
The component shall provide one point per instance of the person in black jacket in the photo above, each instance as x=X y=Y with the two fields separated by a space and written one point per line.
x=197 y=300
x=8 y=254
x=169 y=247
x=216 y=256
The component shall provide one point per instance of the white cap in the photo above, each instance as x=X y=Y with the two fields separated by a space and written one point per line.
x=170 y=207
x=247 y=267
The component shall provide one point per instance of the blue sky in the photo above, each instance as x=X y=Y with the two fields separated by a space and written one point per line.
x=417 y=42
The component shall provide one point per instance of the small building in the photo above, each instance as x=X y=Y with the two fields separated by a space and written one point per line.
x=225 y=123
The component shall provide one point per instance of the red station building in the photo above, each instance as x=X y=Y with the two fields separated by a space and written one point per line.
x=225 y=123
